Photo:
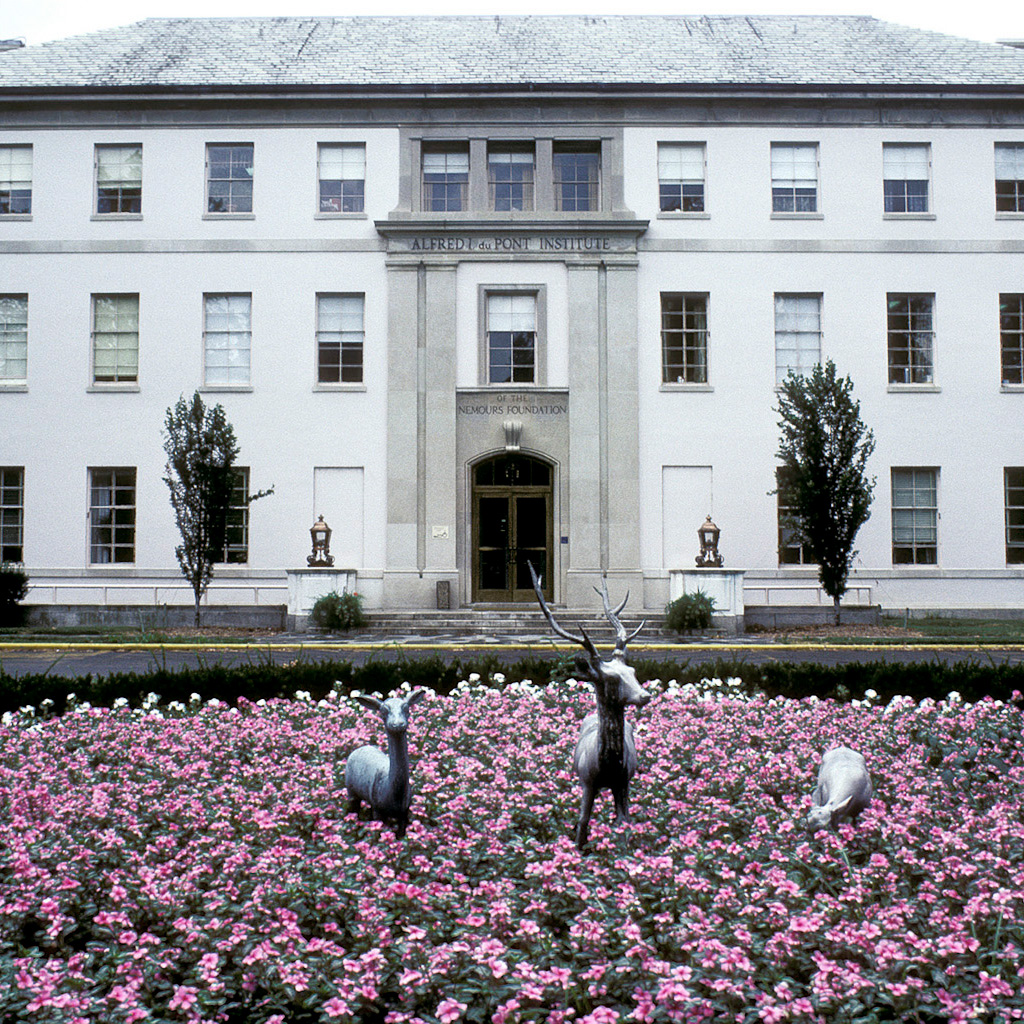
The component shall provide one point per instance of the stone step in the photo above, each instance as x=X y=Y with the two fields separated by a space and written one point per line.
x=496 y=623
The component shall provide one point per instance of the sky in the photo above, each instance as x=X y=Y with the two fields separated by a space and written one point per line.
x=38 y=21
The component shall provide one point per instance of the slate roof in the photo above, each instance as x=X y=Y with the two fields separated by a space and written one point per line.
x=500 y=51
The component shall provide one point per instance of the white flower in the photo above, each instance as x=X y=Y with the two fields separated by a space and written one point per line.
x=871 y=694
x=474 y=677
x=499 y=677
x=303 y=695
x=194 y=698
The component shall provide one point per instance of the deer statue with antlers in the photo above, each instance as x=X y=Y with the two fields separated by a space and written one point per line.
x=605 y=756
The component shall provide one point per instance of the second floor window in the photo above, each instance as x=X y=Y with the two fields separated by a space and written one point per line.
x=1011 y=337
x=906 y=172
x=577 y=177
x=12 y=513
x=511 y=338
x=229 y=176
x=681 y=177
x=15 y=180
x=510 y=176
x=13 y=339
x=794 y=178
x=339 y=339
x=115 y=338
x=1010 y=177
x=342 y=177
x=227 y=335
x=118 y=179
x=111 y=515
x=915 y=516
x=797 y=334
x=445 y=180
x=911 y=339
x=684 y=338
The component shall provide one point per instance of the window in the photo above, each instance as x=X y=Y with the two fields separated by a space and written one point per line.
x=1009 y=177
x=915 y=516
x=339 y=339
x=229 y=171
x=111 y=515
x=911 y=339
x=1011 y=337
x=510 y=177
x=227 y=337
x=577 y=177
x=797 y=334
x=236 y=533
x=12 y=513
x=115 y=338
x=794 y=178
x=511 y=338
x=1013 y=483
x=342 y=174
x=905 y=169
x=13 y=339
x=119 y=179
x=684 y=338
x=681 y=177
x=445 y=179
x=15 y=180
x=792 y=551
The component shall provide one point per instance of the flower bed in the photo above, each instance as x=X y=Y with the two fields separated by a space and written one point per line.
x=197 y=863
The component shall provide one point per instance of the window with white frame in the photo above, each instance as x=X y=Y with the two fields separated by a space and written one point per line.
x=12 y=513
x=236 y=525
x=792 y=549
x=13 y=339
x=1010 y=177
x=797 y=334
x=15 y=180
x=111 y=515
x=342 y=176
x=1011 y=337
x=511 y=333
x=1013 y=484
x=227 y=339
x=119 y=179
x=911 y=338
x=339 y=338
x=906 y=170
x=510 y=176
x=115 y=339
x=915 y=516
x=684 y=338
x=681 y=175
x=577 y=176
x=229 y=177
x=794 y=177
x=446 y=179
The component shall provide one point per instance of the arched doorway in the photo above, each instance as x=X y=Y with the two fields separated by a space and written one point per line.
x=512 y=524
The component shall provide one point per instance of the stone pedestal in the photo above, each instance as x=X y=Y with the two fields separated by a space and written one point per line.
x=306 y=585
x=725 y=586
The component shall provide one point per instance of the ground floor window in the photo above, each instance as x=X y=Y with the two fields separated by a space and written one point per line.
x=915 y=516
x=236 y=535
x=111 y=515
x=1013 y=483
x=792 y=550
x=12 y=513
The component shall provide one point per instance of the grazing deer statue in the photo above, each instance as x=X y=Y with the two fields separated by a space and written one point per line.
x=843 y=789
x=605 y=756
x=382 y=780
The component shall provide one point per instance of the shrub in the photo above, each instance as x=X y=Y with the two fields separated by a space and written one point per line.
x=336 y=611
x=689 y=612
x=13 y=588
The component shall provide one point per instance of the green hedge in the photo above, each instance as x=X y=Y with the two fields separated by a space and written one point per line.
x=972 y=680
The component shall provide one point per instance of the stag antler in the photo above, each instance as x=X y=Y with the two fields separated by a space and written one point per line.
x=584 y=641
x=621 y=639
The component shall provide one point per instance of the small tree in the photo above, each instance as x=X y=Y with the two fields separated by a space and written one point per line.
x=824 y=447
x=201 y=451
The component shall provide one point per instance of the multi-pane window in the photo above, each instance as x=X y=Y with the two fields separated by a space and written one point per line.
x=1013 y=483
x=797 y=334
x=915 y=516
x=684 y=338
x=681 y=177
x=227 y=338
x=339 y=339
x=906 y=172
x=1011 y=337
x=111 y=515
x=15 y=179
x=229 y=171
x=12 y=513
x=511 y=338
x=445 y=179
x=792 y=550
x=510 y=177
x=115 y=338
x=13 y=339
x=911 y=339
x=342 y=176
x=1009 y=177
x=794 y=178
x=236 y=526
x=118 y=179
x=577 y=174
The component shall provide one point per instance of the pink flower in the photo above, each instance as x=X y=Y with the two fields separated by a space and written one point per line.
x=450 y=1010
x=335 y=1007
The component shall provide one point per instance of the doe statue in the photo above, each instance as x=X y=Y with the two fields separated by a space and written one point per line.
x=382 y=780
x=605 y=756
x=843 y=789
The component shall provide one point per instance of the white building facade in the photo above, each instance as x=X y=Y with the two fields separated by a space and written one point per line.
x=477 y=316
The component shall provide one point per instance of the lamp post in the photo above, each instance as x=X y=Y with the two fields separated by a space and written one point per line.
x=321 y=534
x=709 y=558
